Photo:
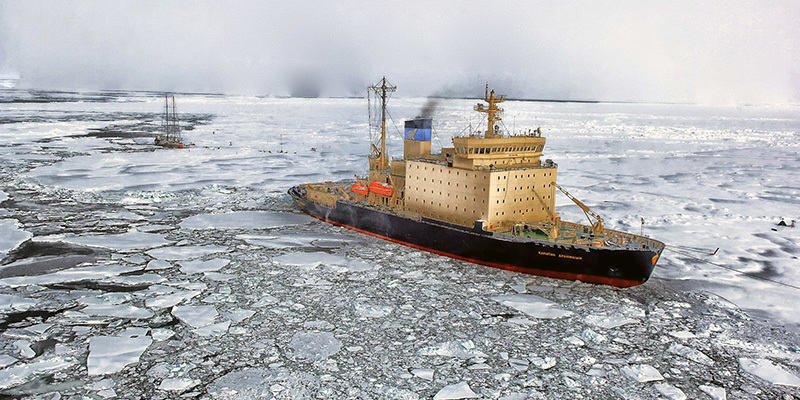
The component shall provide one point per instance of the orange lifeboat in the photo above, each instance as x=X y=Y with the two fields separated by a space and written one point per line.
x=381 y=188
x=360 y=188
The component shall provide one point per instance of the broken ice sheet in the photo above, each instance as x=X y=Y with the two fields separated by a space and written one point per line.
x=459 y=390
x=769 y=371
x=533 y=305
x=171 y=299
x=609 y=322
x=110 y=354
x=314 y=346
x=92 y=273
x=372 y=310
x=244 y=220
x=197 y=266
x=463 y=349
x=21 y=373
x=173 y=253
x=642 y=373
x=117 y=311
x=195 y=316
x=130 y=240
x=669 y=391
x=178 y=384
x=311 y=259
x=11 y=236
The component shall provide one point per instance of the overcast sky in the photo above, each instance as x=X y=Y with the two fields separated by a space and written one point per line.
x=693 y=51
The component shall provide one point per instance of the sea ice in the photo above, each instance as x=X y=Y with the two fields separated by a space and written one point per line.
x=642 y=372
x=690 y=353
x=314 y=346
x=178 y=384
x=423 y=373
x=669 y=391
x=716 y=392
x=609 y=322
x=130 y=240
x=532 y=305
x=463 y=349
x=311 y=259
x=173 y=253
x=171 y=299
x=92 y=273
x=197 y=266
x=11 y=236
x=244 y=220
x=217 y=329
x=155 y=265
x=117 y=311
x=372 y=310
x=110 y=354
x=459 y=390
x=195 y=316
x=769 y=371
x=21 y=373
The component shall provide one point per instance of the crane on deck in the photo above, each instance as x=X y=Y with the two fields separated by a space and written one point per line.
x=597 y=224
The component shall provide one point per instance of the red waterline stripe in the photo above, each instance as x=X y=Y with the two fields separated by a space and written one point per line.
x=549 y=274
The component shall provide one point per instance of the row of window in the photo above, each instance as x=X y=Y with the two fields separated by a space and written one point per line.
x=490 y=150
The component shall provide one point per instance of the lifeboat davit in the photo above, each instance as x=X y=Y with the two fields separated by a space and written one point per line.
x=360 y=188
x=381 y=188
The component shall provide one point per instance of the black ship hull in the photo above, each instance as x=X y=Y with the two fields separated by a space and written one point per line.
x=610 y=266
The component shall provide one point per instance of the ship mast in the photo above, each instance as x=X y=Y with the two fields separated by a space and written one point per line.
x=492 y=111
x=382 y=91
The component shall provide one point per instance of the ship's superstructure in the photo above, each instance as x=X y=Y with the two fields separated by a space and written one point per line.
x=492 y=184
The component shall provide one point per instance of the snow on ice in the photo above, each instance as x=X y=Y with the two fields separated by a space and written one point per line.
x=204 y=281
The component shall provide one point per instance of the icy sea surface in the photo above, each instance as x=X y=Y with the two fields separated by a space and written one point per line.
x=130 y=271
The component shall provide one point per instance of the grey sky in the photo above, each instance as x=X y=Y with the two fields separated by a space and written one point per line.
x=709 y=52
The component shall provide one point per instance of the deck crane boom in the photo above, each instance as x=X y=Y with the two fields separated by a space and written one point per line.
x=597 y=225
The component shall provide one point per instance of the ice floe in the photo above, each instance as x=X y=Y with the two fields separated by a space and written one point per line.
x=197 y=266
x=173 y=253
x=642 y=372
x=123 y=241
x=533 y=305
x=457 y=348
x=769 y=371
x=11 y=236
x=459 y=390
x=314 y=346
x=244 y=220
x=195 y=316
x=110 y=354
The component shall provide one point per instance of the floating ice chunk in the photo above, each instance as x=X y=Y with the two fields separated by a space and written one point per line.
x=314 y=346
x=683 y=334
x=543 y=363
x=391 y=392
x=161 y=334
x=320 y=325
x=170 y=300
x=24 y=348
x=244 y=220
x=609 y=322
x=716 y=392
x=11 y=236
x=178 y=384
x=6 y=360
x=669 y=391
x=195 y=316
x=217 y=329
x=133 y=280
x=97 y=272
x=457 y=348
x=592 y=336
x=130 y=240
x=423 y=373
x=184 y=252
x=240 y=315
x=574 y=340
x=642 y=373
x=197 y=266
x=769 y=371
x=311 y=259
x=690 y=353
x=110 y=354
x=155 y=265
x=21 y=373
x=14 y=302
x=533 y=305
x=261 y=383
x=117 y=311
x=217 y=276
x=372 y=310
x=459 y=390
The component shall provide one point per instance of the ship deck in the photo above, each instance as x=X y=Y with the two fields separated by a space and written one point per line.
x=569 y=233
